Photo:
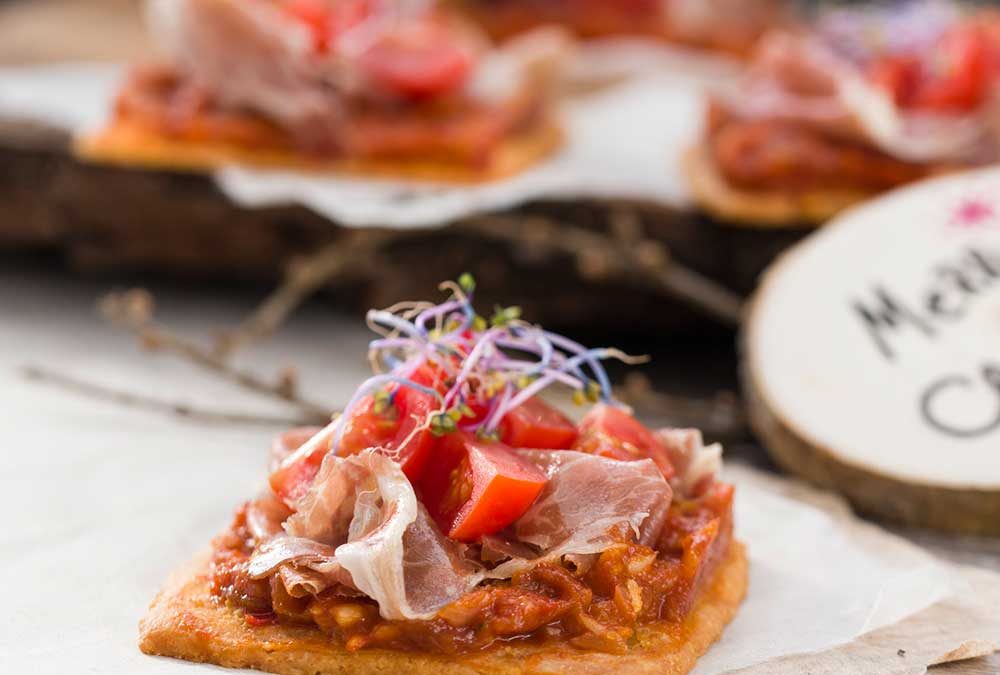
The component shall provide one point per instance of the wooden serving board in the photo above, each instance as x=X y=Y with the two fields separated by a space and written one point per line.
x=106 y=219
x=872 y=355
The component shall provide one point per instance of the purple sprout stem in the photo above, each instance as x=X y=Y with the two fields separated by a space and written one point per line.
x=421 y=321
x=396 y=323
x=596 y=368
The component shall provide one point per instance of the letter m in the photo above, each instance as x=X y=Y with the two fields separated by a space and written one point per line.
x=888 y=314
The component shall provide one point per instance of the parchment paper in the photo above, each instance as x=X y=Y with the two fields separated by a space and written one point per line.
x=101 y=502
x=624 y=141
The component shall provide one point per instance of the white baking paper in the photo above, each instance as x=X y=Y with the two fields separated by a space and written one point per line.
x=101 y=502
x=624 y=141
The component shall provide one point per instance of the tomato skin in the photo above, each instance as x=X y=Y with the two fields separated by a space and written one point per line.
x=394 y=429
x=327 y=21
x=611 y=432
x=316 y=15
x=536 y=424
x=290 y=482
x=417 y=61
x=478 y=488
x=965 y=83
x=899 y=76
x=955 y=76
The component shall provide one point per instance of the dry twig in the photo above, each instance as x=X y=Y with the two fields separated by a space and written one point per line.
x=144 y=402
x=134 y=310
x=625 y=255
x=304 y=277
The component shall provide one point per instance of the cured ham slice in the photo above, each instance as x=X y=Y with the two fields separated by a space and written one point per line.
x=586 y=497
x=360 y=526
x=249 y=56
x=696 y=463
x=305 y=567
x=803 y=79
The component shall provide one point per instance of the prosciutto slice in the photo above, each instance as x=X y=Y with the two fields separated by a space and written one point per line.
x=586 y=496
x=696 y=463
x=360 y=526
x=248 y=55
x=800 y=78
x=305 y=567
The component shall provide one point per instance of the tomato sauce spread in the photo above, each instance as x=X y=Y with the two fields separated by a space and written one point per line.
x=779 y=154
x=454 y=128
x=596 y=604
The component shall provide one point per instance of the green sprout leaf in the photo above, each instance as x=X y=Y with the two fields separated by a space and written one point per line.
x=467 y=282
x=503 y=316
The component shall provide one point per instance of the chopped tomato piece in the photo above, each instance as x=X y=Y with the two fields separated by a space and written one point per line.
x=611 y=432
x=327 y=20
x=899 y=76
x=477 y=488
x=956 y=75
x=430 y=375
x=963 y=81
x=417 y=60
x=316 y=15
x=289 y=483
x=394 y=429
x=536 y=424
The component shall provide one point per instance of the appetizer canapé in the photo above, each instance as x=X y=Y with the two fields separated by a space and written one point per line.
x=866 y=101
x=363 y=86
x=450 y=520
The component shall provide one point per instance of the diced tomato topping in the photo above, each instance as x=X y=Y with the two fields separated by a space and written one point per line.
x=964 y=82
x=536 y=424
x=899 y=76
x=956 y=75
x=417 y=60
x=328 y=20
x=394 y=429
x=477 y=488
x=611 y=432
x=430 y=375
x=291 y=482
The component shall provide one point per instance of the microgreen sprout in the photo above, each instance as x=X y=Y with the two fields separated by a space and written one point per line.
x=504 y=316
x=479 y=370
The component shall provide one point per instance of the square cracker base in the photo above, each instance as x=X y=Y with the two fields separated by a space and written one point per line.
x=186 y=622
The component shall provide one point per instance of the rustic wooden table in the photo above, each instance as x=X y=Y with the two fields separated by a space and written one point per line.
x=40 y=31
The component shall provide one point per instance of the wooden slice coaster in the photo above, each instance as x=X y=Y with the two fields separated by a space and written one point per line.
x=872 y=355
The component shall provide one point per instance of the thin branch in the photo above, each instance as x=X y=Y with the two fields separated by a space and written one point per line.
x=625 y=252
x=304 y=277
x=143 y=402
x=134 y=309
x=600 y=256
